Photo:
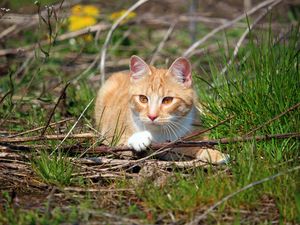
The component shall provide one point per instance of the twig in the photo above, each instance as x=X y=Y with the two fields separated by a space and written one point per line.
x=25 y=64
x=189 y=51
x=78 y=189
x=164 y=164
x=92 y=29
x=206 y=143
x=197 y=133
x=39 y=128
x=68 y=134
x=7 y=31
x=5 y=95
x=244 y=35
x=30 y=20
x=47 y=137
x=210 y=209
x=62 y=95
x=162 y=43
x=175 y=144
x=109 y=35
x=6 y=146
x=63 y=37
x=275 y=118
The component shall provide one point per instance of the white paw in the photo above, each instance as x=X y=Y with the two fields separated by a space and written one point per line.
x=140 y=140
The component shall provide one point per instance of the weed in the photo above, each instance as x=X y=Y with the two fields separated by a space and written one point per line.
x=55 y=169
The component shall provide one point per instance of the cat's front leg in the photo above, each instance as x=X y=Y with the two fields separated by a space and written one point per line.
x=139 y=141
x=205 y=154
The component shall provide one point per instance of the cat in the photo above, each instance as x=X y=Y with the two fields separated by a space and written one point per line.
x=150 y=105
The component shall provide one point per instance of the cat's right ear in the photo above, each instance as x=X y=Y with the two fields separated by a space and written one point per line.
x=138 y=68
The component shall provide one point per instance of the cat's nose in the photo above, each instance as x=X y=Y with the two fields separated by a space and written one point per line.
x=152 y=117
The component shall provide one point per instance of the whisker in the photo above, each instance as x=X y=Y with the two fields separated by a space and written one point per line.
x=173 y=129
x=187 y=117
x=164 y=131
x=180 y=125
x=169 y=132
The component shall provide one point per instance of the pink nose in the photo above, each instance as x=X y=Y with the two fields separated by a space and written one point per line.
x=152 y=117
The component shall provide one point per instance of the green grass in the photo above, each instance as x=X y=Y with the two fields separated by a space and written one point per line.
x=264 y=86
x=56 y=169
x=13 y=215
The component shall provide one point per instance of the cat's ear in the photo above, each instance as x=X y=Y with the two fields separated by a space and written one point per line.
x=181 y=70
x=138 y=68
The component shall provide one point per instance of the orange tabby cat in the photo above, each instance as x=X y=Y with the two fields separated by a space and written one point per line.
x=149 y=105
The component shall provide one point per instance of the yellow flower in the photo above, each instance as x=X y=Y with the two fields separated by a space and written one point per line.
x=82 y=16
x=85 y=10
x=76 y=10
x=90 y=10
x=116 y=15
x=80 y=22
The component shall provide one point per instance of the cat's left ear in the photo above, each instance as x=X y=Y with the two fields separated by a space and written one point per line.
x=181 y=70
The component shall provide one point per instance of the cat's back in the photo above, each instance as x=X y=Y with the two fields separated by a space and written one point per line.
x=115 y=86
x=112 y=97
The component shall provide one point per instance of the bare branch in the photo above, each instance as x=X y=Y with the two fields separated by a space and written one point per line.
x=244 y=35
x=109 y=35
x=46 y=137
x=178 y=143
x=190 y=50
x=63 y=37
x=39 y=128
x=7 y=31
x=162 y=43
x=62 y=95
x=68 y=134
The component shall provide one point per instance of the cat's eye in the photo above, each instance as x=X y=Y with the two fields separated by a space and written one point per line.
x=167 y=100
x=143 y=99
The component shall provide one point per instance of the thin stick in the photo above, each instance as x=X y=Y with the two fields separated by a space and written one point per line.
x=109 y=35
x=206 y=143
x=62 y=94
x=63 y=37
x=210 y=209
x=162 y=43
x=39 y=128
x=78 y=189
x=153 y=162
x=175 y=144
x=5 y=95
x=189 y=51
x=7 y=31
x=244 y=35
x=73 y=126
x=275 y=118
x=47 y=138
x=197 y=133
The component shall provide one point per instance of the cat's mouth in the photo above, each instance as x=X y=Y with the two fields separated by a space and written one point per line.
x=154 y=123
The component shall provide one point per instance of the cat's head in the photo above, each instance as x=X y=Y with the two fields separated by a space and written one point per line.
x=159 y=96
